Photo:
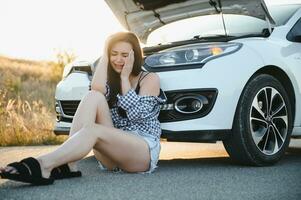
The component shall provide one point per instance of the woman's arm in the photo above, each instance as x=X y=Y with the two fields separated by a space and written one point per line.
x=99 y=79
x=150 y=85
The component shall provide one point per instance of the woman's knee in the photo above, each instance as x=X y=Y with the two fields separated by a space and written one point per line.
x=89 y=127
x=94 y=99
x=96 y=95
x=93 y=129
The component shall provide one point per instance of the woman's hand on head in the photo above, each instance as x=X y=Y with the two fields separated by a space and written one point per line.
x=128 y=65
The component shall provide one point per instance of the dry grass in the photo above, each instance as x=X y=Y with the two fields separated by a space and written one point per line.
x=27 y=113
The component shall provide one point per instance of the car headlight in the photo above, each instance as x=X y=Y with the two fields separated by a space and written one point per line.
x=190 y=55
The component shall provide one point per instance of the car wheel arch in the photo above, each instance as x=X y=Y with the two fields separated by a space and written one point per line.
x=282 y=77
x=239 y=144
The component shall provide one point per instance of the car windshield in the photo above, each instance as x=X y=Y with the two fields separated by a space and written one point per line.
x=212 y=25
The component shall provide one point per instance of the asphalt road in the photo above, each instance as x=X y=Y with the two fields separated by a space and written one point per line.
x=186 y=171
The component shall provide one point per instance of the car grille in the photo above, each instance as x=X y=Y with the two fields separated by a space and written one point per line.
x=69 y=107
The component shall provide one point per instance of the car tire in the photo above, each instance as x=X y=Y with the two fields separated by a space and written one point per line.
x=262 y=124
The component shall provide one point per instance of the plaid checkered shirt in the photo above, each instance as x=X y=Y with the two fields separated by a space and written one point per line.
x=141 y=113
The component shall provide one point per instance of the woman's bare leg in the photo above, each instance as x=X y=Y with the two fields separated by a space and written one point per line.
x=130 y=152
x=92 y=108
x=127 y=151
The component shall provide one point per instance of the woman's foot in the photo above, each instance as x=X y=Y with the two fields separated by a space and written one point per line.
x=28 y=170
x=9 y=169
x=45 y=171
x=72 y=166
x=68 y=170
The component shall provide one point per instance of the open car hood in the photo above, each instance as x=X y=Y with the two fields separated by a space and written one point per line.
x=144 y=16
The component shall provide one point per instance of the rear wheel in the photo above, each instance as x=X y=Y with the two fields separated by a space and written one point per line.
x=263 y=123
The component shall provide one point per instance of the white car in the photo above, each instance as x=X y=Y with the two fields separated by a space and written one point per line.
x=231 y=71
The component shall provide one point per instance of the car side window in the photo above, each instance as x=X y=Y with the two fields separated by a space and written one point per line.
x=295 y=31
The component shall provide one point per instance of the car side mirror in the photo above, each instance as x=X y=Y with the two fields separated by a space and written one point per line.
x=297 y=38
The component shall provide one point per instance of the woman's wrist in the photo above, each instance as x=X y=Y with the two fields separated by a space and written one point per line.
x=125 y=84
x=124 y=78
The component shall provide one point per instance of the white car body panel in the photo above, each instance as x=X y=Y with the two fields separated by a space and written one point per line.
x=221 y=116
x=74 y=87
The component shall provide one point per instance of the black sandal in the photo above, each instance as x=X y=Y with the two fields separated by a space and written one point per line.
x=64 y=171
x=29 y=171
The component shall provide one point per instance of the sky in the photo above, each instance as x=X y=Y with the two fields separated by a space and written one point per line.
x=39 y=29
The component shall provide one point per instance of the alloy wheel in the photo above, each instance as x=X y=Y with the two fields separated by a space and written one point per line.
x=269 y=120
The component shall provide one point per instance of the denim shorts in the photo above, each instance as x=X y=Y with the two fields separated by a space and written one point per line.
x=154 y=149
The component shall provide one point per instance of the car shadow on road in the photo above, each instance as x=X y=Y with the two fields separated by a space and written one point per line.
x=293 y=154
x=294 y=151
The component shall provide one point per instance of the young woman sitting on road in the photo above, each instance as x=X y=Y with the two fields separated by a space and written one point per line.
x=117 y=119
